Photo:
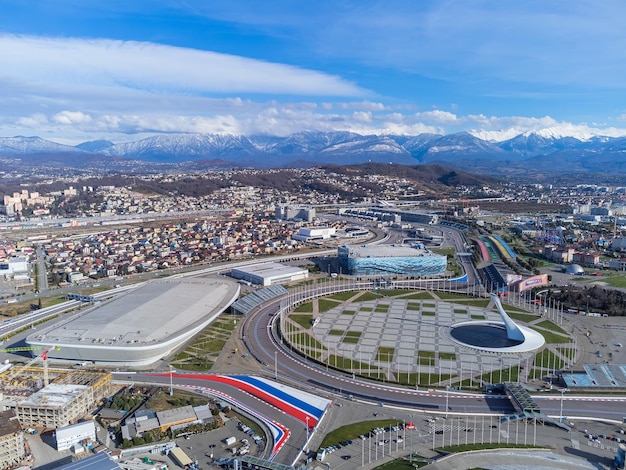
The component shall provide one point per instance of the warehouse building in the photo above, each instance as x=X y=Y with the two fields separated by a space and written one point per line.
x=267 y=274
x=75 y=435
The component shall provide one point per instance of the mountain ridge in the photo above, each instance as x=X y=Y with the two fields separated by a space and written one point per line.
x=546 y=151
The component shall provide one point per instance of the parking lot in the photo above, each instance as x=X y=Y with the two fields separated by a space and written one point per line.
x=207 y=447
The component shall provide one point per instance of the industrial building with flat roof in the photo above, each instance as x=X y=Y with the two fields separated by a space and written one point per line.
x=376 y=260
x=267 y=274
x=306 y=234
x=141 y=326
x=75 y=434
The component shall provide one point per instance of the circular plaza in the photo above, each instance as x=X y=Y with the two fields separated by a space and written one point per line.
x=406 y=337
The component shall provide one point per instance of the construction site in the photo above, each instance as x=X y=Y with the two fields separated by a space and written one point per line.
x=49 y=398
x=35 y=398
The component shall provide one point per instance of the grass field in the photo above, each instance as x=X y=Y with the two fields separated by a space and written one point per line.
x=385 y=354
x=324 y=305
x=548 y=325
x=368 y=296
x=343 y=296
x=305 y=321
x=547 y=359
x=307 y=307
x=207 y=346
x=552 y=338
x=525 y=317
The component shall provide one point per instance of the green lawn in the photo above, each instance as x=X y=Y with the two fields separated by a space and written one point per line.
x=306 y=340
x=394 y=292
x=473 y=302
x=229 y=326
x=343 y=296
x=513 y=308
x=422 y=353
x=548 y=325
x=307 y=307
x=447 y=356
x=305 y=321
x=352 y=337
x=353 y=431
x=522 y=316
x=420 y=296
x=615 y=281
x=368 y=296
x=508 y=375
x=385 y=354
x=549 y=360
x=404 y=463
x=452 y=296
x=567 y=352
x=486 y=445
x=552 y=338
x=325 y=305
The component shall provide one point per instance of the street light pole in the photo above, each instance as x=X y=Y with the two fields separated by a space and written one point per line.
x=447 y=393
x=563 y=390
x=276 y=365
x=307 y=428
x=171 y=383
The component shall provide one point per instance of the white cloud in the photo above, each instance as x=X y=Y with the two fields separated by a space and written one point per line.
x=71 y=117
x=156 y=68
x=34 y=121
x=437 y=116
x=362 y=116
x=246 y=117
x=363 y=105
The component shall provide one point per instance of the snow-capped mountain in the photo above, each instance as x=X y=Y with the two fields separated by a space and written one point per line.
x=531 y=144
x=15 y=146
x=184 y=147
x=548 y=151
x=461 y=146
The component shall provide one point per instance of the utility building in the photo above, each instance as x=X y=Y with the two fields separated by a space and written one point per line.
x=267 y=274
x=75 y=434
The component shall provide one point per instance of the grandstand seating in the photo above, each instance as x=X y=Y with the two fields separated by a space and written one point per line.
x=246 y=304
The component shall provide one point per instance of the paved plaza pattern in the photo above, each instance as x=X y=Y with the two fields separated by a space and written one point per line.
x=407 y=336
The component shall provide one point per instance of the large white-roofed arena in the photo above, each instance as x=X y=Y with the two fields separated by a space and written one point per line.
x=141 y=326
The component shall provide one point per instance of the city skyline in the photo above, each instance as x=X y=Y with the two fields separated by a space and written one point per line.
x=78 y=71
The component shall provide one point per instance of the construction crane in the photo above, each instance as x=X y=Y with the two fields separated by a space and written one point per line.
x=43 y=355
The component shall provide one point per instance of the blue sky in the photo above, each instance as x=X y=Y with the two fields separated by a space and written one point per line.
x=78 y=70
